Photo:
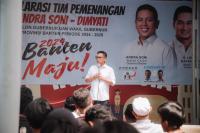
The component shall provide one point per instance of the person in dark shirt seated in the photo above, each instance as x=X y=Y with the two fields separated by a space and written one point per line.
x=60 y=121
x=36 y=113
x=26 y=97
x=172 y=116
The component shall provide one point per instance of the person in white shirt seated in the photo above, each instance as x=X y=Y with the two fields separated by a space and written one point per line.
x=141 y=111
x=83 y=101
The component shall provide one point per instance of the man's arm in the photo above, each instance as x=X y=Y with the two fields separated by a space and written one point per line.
x=91 y=78
x=111 y=81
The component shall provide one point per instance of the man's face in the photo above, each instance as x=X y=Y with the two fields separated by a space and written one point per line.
x=160 y=74
x=101 y=59
x=145 y=24
x=147 y=74
x=183 y=26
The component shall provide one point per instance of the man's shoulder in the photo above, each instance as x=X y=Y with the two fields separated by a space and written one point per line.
x=108 y=67
x=130 y=47
x=162 y=44
x=93 y=66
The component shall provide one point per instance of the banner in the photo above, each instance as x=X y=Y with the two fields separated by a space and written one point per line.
x=61 y=38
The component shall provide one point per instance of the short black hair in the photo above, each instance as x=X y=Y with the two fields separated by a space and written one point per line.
x=36 y=112
x=60 y=121
x=181 y=9
x=70 y=103
x=25 y=98
x=160 y=71
x=118 y=126
x=81 y=97
x=98 y=113
x=173 y=113
x=129 y=113
x=147 y=7
x=148 y=71
x=102 y=52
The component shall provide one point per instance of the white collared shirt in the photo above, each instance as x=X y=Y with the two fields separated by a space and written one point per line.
x=146 y=126
x=181 y=54
x=100 y=89
x=158 y=53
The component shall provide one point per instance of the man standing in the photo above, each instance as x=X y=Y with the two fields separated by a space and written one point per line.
x=160 y=76
x=147 y=75
x=101 y=76
x=182 y=22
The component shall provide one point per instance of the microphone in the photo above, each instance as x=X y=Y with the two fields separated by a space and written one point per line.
x=98 y=67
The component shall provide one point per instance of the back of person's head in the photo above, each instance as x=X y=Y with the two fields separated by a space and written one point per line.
x=181 y=9
x=128 y=113
x=70 y=103
x=25 y=98
x=36 y=112
x=60 y=121
x=118 y=127
x=98 y=113
x=171 y=113
x=149 y=8
x=141 y=107
x=82 y=98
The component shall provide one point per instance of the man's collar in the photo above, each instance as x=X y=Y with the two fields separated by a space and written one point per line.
x=103 y=66
x=149 y=40
x=178 y=44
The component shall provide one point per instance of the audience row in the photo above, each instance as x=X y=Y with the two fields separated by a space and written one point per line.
x=79 y=115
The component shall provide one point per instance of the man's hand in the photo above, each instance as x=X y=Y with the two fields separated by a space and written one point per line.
x=100 y=77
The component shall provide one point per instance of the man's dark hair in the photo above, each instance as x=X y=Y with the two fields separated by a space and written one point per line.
x=129 y=114
x=148 y=71
x=173 y=113
x=81 y=97
x=160 y=71
x=60 y=121
x=36 y=112
x=98 y=113
x=147 y=7
x=118 y=127
x=102 y=52
x=25 y=98
x=181 y=9
x=70 y=103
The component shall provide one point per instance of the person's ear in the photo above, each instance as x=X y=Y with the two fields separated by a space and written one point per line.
x=174 y=24
x=165 y=125
x=157 y=24
x=135 y=115
x=150 y=109
x=91 y=123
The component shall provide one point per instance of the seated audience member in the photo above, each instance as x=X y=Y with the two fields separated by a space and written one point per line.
x=60 y=121
x=115 y=126
x=118 y=127
x=141 y=111
x=97 y=114
x=128 y=114
x=172 y=117
x=83 y=101
x=36 y=113
x=25 y=98
x=70 y=104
